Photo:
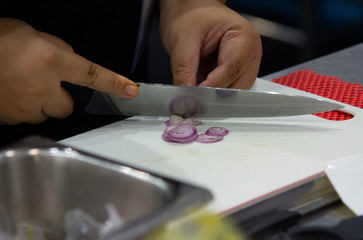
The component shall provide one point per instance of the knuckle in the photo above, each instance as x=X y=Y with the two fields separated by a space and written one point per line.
x=254 y=32
x=49 y=58
x=70 y=49
x=45 y=54
x=28 y=114
x=92 y=75
x=234 y=72
x=9 y=121
x=66 y=110
x=117 y=85
x=183 y=71
x=256 y=41
x=38 y=119
x=66 y=113
x=234 y=31
x=259 y=51
x=257 y=44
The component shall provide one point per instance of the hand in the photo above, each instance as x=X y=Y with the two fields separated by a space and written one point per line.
x=209 y=44
x=33 y=65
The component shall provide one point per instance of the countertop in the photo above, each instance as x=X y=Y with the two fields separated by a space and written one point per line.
x=346 y=64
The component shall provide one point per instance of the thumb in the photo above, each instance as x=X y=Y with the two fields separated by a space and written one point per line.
x=78 y=70
x=184 y=62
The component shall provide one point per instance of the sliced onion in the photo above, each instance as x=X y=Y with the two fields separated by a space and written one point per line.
x=174 y=119
x=217 y=131
x=185 y=106
x=204 y=138
x=180 y=132
x=191 y=120
x=189 y=139
x=183 y=130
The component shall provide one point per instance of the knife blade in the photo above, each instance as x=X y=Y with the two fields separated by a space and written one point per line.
x=164 y=100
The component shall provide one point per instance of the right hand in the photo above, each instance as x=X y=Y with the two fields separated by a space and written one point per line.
x=209 y=44
x=32 y=66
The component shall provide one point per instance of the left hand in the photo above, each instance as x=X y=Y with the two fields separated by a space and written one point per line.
x=209 y=44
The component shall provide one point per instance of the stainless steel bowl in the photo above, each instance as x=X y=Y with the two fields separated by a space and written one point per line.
x=41 y=181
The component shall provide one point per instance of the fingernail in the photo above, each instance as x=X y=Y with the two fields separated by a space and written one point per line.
x=131 y=90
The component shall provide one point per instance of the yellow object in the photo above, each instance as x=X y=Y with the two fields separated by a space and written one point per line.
x=201 y=227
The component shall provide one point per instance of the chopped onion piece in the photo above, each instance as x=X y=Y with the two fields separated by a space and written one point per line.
x=217 y=131
x=183 y=130
x=185 y=106
x=180 y=132
x=173 y=119
x=204 y=138
x=189 y=139
x=191 y=120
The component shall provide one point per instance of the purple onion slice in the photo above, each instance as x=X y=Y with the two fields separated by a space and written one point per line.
x=183 y=130
x=217 y=131
x=180 y=130
x=204 y=138
x=189 y=139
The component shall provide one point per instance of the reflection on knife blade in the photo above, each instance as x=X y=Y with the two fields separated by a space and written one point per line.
x=187 y=101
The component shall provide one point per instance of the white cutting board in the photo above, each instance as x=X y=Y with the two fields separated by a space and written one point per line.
x=257 y=157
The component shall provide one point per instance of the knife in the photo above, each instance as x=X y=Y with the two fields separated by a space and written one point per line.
x=186 y=101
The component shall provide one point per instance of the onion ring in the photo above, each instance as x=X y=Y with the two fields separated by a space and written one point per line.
x=189 y=139
x=204 y=138
x=180 y=132
x=217 y=131
x=183 y=130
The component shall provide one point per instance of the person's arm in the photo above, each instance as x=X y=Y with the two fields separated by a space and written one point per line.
x=33 y=65
x=209 y=44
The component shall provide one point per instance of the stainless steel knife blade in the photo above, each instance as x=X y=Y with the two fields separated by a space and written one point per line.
x=186 y=101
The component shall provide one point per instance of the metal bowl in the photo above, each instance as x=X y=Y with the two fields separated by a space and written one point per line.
x=41 y=181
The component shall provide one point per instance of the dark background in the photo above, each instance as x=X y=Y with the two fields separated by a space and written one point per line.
x=292 y=32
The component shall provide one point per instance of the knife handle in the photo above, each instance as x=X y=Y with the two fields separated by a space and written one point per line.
x=80 y=95
x=264 y=226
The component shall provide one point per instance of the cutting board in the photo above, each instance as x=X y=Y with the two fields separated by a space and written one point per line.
x=257 y=157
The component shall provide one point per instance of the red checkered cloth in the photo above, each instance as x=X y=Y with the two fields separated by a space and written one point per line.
x=328 y=87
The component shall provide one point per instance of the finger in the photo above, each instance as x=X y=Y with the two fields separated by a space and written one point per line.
x=235 y=56
x=184 y=62
x=248 y=77
x=24 y=115
x=78 y=70
x=227 y=72
x=23 y=118
x=23 y=112
x=234 y=79
x=35 y=119
x=60 y=105
x=56 y=41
